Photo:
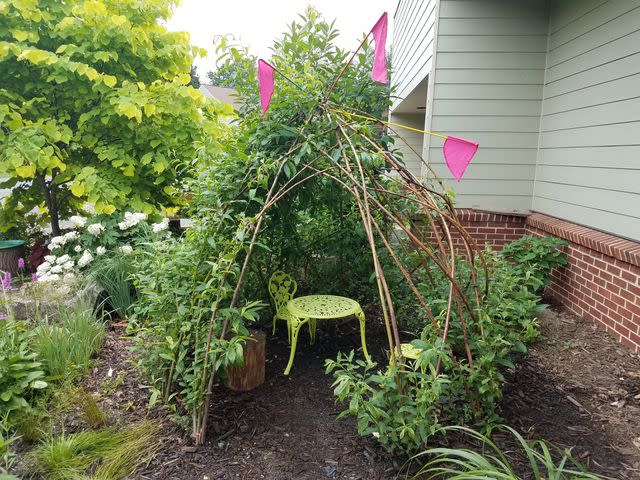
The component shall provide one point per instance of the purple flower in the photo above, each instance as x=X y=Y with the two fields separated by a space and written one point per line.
x=3 y=316
x=6 y=281
x=34 y=277
x=21 y=263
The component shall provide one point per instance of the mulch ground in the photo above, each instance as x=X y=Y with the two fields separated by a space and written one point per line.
x=577 y=388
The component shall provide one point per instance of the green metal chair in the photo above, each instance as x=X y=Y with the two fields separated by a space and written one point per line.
x=282 y=288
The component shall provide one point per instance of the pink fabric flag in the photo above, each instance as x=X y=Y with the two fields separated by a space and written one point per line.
x=458 y=154
x=379 y=31
x=265 y=78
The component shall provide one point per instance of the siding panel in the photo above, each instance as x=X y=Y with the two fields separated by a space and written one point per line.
x=588 y=165
x=413 y=41
x=489 y=79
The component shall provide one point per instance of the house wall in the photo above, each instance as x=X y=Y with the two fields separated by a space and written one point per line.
x=411 y=141
x=588 y=164
x=489 y=74
x=412 y=52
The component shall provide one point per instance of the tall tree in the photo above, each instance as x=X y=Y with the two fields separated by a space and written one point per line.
x=95 y=107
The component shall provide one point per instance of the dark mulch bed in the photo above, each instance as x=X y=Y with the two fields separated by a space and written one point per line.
x=577 y=388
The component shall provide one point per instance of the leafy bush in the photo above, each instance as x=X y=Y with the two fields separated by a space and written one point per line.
x=67 y=343
x=464 y=395
x=489 y=461
x=399 y=406
x=21 y=374
x=536 y=255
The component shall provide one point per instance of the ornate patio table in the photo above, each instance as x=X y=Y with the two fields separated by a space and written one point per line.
x=310 y=308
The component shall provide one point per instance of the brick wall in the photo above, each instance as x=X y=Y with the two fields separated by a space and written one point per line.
x=487 y=228
x=601 y=281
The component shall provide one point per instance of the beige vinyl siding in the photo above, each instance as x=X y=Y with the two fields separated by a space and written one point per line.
x=489 y=73
x=413 y=41
x=588 y=163
x=411 y=141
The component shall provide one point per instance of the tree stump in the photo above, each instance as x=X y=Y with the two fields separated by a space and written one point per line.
x=251 y=374
x=10 y=252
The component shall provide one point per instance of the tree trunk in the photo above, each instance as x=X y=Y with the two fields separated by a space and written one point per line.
x=251 y=374
x=51 y=203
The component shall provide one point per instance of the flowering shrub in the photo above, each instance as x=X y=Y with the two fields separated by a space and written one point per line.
x=94 y=237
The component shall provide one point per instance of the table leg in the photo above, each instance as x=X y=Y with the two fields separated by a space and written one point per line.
x=360 y=316
x=312 y=330
x=296 y=323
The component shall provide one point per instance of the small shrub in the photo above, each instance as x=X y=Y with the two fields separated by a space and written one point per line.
x=29 y=424
x=400 y=406
x=6 y=440
x=536 y=256
x=109 y=453
x=67 y=344
x=20 y=371
x=489 y=461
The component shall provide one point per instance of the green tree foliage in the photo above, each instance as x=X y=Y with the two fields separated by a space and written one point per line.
x=95 y=107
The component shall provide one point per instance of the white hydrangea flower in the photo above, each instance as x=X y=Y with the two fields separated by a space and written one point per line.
x=69 y=265
x=70 y=236
x=69 y=276
x=159 y=227
x=95 y=229
x=59 y=240
x=85 y=259
x=56 y=269
x=43 y=267
x=126 y=249
x=50 y=258
x=52 y=277
x=77 y=221
x=131 y=220
x=77 y=249
x=101 y=250
x=63 y=259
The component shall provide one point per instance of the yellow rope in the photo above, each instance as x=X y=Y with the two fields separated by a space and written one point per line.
x=389 y=123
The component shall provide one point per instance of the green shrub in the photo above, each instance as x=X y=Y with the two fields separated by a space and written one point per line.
x=536 y=256
x=489 y=461
x=465 y=392
x=7 y=455
x=20 y=371
x=68 y=342
x=399 y=406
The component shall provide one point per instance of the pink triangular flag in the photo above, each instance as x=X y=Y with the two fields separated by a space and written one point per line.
x=265 y=78
x=458 y=153
x=379 y=31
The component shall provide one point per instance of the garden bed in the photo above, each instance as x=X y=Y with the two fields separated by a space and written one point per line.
x=577 y=388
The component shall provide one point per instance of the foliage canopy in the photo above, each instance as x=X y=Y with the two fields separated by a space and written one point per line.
x=95 y=107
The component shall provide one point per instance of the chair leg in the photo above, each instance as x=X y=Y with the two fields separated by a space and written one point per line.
x=360 y=316
x=274 y=326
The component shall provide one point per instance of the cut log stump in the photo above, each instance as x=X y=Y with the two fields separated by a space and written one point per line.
x=251 y=374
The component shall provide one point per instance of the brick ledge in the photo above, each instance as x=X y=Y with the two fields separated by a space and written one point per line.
x=616 y=247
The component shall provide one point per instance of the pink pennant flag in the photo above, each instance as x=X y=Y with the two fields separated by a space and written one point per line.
x=379 y=31
x=265 y=78
x=458 y=154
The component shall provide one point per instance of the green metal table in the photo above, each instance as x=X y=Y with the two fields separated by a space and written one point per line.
x=310 y=308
